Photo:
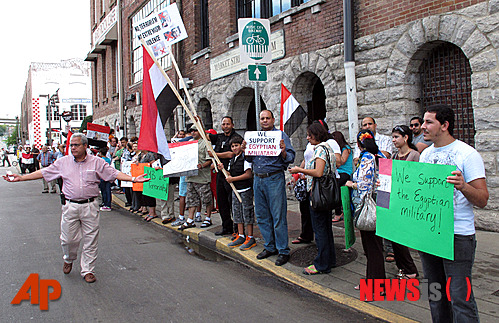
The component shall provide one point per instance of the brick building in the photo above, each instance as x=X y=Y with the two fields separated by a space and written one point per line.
x=408 y=54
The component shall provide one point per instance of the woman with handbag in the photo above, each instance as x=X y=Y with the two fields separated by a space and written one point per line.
x=362 y=186
x=402 y=140
x=321 y=165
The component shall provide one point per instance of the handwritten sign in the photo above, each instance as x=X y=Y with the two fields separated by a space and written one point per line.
x=138 y=170
x=158 y=185
x=415 y=206
x=347 y=217
x=126 y=168
x=262 y=143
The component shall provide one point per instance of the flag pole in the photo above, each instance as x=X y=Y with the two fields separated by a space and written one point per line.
x=189 y=112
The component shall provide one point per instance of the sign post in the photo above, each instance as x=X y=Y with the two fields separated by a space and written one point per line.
x=254 y=44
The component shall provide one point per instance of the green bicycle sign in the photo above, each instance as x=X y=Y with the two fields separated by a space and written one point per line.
x=254 y=40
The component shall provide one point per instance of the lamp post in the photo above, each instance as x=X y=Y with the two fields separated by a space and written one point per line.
x=51 y=103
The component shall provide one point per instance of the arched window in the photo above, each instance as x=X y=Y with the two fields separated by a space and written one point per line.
x=445 y=76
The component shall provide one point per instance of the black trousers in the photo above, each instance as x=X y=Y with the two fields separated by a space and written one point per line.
x=403 y=259
x=224 y=199
x=307 y=231
x=373 y=247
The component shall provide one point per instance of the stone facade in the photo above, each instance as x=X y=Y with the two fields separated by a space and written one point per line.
x=387 y=82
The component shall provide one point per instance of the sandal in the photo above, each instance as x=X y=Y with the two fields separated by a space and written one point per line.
x=390 y=257
x=338 y=218
x=206 y=223
x=149 y=218
x=300 y=240
x=311 y=270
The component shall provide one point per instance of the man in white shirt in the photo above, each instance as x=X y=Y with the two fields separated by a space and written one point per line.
x=470 y=190
x=385 y=144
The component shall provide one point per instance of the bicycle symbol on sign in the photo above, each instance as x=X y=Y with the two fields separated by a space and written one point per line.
x=255 y=39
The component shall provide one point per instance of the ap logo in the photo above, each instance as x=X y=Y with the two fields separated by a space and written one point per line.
x=39 y=291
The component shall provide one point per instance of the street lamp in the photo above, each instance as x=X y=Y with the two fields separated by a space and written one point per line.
x=52 y=101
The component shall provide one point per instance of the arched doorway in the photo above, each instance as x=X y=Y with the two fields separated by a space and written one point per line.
x=243 y=110
x=206 y=114
x=445 y=76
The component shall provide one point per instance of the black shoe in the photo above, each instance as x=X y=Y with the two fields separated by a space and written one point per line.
x=223 y=233
x=265 y=254
x=281 y=260
x=128 y=204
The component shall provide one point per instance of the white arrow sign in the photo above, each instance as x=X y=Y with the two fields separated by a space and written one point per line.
x=257 y=73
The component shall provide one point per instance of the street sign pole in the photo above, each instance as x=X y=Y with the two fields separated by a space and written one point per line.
x=258 y=108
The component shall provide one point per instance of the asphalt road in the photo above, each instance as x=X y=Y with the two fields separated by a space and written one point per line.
x=144 y=274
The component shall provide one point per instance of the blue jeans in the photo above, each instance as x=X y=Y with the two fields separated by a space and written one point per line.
x=105 y=189
x=271 y=210
x=437 y=269
x=324 y=240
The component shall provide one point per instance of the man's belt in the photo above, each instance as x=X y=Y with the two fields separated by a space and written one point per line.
x=82 y=201
x=265 y=175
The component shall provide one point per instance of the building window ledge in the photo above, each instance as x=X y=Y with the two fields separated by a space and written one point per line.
x=314 y=5
x=203 y=52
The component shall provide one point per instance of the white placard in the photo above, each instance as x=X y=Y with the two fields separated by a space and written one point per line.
x=126 y=168
x=262 y=143
x=184 y=159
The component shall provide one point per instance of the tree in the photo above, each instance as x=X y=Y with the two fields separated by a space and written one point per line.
x=85 y=121
x=3 y=129
x=12 y=139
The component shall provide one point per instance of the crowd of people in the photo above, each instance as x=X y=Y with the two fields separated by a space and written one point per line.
x=260 y=183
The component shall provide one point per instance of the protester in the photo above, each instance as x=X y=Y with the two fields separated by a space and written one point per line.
x=363 y=182
x=125 y=157
x=383 y=142
x=470 y=189
x=46 y=158
x=35 y=151
x=269 y=187
x=224 y=191
x=27 y=161
x=243 y=212
x=4 y=155
x=345 y=168
x=323 y=162
x=80 y=215
x=402 y=140
x=148 y=157
x=418 y=137
x=105 y=186
x=198 y=187
x=136 y=206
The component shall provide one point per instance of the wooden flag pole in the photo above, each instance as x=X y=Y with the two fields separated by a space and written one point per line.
x=189 y=112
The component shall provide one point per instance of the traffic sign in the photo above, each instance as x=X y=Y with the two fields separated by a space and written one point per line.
x=254 y=40
x=257 y=73
x=67 y=116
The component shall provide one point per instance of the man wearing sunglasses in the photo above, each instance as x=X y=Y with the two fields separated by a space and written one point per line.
x=417 y=134
x=81 y=173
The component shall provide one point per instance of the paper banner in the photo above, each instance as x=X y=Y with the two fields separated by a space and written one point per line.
x=347 y=217
x=262 y=143
x=184 y=159
x=415 y=206
x=138 y=170
x=126 y=168
x=158 y=185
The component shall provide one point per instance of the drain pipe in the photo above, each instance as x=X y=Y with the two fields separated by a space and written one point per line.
x=348 y=37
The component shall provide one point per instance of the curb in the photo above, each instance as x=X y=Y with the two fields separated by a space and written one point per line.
x=249 y=257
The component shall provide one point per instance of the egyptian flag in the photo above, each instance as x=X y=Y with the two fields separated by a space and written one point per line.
x=97 y=135
x=66 y=152
x=292 y=114
x=158 y=103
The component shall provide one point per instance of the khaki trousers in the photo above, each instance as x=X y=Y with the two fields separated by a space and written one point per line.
x=166 y=208
x=80 y=221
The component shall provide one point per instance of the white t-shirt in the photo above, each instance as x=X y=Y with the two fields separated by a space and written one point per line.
x=383 y=142
x=470 y=163
x=309 y=151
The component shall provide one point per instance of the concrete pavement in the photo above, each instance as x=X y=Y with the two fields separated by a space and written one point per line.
x=338 y=285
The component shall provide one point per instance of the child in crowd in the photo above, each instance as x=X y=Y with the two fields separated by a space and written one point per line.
x=242 y=213
x=105 y=187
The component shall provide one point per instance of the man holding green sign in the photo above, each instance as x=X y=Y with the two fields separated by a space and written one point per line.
x=470 y=190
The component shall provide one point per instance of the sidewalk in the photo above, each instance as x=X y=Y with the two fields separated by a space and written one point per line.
x=338 y=285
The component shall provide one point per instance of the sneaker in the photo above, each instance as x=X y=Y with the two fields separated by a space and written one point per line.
x=187 y=225
x=178 y=222
x=105 y=209
x=237 y=242
x=198 y=218
x=248 y=244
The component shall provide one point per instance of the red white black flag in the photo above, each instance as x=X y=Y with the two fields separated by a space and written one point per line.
x=292 y=113
x=158 y=103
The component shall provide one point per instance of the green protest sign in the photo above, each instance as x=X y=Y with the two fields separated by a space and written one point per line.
x=347 y=217
x=415 y=206
x=158 y=185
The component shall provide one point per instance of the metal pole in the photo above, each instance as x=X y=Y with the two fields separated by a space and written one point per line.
x=121 y=91
x=258 y=108
x=50 y=120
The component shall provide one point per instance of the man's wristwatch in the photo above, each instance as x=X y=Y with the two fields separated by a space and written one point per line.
x=133 y=179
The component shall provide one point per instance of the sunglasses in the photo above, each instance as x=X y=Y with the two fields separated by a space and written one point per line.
x=399 y=129
x=414 y=125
